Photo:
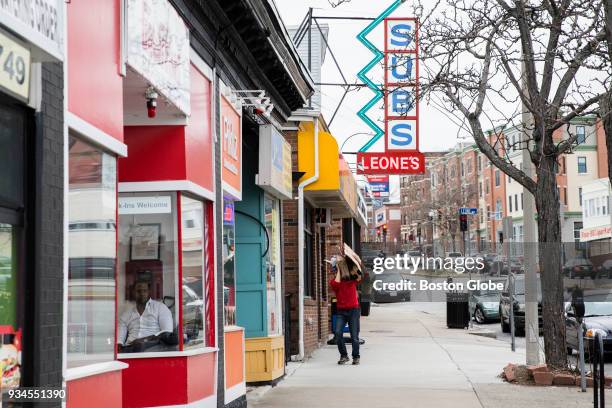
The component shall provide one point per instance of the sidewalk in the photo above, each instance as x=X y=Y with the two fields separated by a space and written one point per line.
x=411 y=359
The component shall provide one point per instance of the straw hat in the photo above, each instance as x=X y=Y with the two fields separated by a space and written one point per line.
x=348 y=252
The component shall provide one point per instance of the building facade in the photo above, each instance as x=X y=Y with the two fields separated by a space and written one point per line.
x=464 y=177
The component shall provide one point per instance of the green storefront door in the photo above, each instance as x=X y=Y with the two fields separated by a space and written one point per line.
x=251 y=245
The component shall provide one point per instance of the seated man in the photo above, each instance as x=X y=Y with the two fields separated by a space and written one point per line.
x=144 y=322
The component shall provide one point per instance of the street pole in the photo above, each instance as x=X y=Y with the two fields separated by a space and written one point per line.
x=532 y=330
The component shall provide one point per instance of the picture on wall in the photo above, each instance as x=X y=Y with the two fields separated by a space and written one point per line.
x=144 y=242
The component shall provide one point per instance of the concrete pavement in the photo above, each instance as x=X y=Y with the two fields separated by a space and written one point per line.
x=411 y=359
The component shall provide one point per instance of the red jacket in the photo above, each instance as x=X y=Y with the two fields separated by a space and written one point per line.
x=346 y=294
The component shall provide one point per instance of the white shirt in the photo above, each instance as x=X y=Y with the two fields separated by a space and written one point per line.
x=155 y=319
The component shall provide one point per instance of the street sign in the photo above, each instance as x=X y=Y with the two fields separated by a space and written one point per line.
x=468 y=211
x=390 y=163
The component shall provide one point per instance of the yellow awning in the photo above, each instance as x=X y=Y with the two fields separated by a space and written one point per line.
x=336 y=187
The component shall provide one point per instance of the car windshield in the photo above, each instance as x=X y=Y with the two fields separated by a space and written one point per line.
x=579 y=262
x=393 y=277
x=598 y=308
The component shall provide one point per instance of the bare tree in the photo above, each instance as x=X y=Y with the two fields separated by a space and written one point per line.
x=487 y=60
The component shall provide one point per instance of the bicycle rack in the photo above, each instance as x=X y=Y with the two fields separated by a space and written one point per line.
x=599 y=379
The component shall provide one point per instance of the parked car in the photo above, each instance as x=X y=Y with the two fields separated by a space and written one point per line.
x=368 y=255
x=579 y=268
x=499 y=266
x=454 y=255
x=382 y=293
x=605 y=269
x=484 y=305
x=518 y=304
x=487 y=260
x=415 y=254
x=597 y=317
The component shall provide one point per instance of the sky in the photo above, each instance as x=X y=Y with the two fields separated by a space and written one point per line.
x=437 y=131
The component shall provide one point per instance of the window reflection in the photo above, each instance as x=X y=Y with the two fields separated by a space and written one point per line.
x=10 y=333
x=229 y=249
x=148 y=262
x=92 y=254
x=194 y=244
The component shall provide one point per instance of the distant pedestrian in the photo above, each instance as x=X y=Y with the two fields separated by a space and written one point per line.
x=348 y=275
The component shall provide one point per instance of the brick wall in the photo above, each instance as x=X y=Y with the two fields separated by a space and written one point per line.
x=316 y=315
x=45 y=296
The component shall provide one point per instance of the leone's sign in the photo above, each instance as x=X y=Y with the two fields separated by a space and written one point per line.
x=390 y=162
x=400 y=99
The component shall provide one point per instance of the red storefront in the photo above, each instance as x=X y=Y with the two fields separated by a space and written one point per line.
x=141 y=210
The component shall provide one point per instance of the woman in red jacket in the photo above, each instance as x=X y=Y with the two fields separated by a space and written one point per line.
x=348 y=275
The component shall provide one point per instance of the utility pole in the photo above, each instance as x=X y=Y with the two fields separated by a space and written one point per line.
x=532 y=330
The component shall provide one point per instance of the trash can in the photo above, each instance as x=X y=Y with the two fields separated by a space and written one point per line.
x=457 y=310
x=365 y=307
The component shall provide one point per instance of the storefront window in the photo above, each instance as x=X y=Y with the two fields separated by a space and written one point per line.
x=229 y=250
x=148 y=265
x=194 y=262
x=273 y=264
x=10 y=348
x=92 y=247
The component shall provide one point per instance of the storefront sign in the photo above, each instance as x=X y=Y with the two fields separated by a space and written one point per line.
x=158 y=49
x=402 y=81
x=399 y=93
x=380 y=217
x=228 y=213
x=348 y=186
x=145 y=205
x=592 y=234
x=391 y=163
x=38 y=21
x=14 y=67
x=231 y=149
x=274 y=163
x=379 y=185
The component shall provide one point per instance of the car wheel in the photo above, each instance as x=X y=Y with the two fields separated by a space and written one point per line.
x=479 y=316
x=504 y=326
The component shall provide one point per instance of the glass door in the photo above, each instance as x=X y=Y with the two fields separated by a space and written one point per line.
x=10 y=326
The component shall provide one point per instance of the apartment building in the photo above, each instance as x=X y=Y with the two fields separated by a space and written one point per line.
x=464 y=177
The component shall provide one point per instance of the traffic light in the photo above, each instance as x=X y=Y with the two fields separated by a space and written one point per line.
x=419 y=230
x=501 y=237
x=463 y=222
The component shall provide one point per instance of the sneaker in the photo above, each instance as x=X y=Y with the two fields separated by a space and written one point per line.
x=343 y=360
x=356 y=361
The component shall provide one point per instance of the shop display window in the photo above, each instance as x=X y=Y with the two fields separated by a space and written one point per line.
x=148 y=269
x=194 y=243
x=92 y=205
x=273 y=264
x=229 y=263
x=155 y=313
x=10 y=328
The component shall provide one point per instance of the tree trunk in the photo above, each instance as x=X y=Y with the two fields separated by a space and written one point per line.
x=549 y=253
x=605 y=106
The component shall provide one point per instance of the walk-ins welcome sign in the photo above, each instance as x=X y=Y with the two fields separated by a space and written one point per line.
x=400 y=92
